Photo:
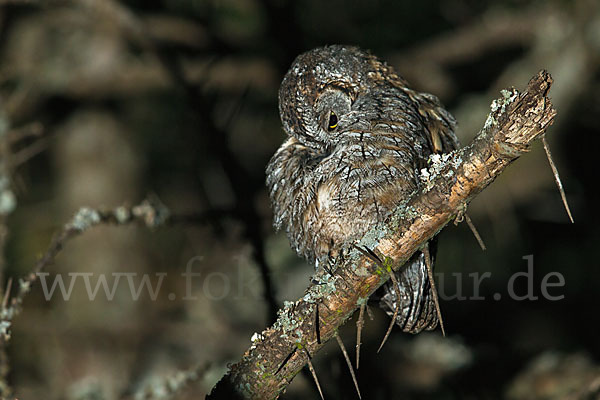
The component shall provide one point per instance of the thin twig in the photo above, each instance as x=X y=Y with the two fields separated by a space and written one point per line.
x=7 y=293
x=34 y=129
x=314 y=374
x=475 y=232
x=563 y=196
x=317 y=324
x=434 y=293
x=371 y=254
x=345 y=353
x=396 y=310
x=22 y=156
x=370 y=313
x=286 y=360
x=360 y=322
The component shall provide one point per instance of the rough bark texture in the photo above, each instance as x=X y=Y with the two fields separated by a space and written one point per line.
x=281 y=351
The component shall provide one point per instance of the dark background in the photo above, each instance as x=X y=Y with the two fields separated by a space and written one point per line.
x=113 y=101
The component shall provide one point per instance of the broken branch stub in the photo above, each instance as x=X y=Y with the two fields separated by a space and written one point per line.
x=268 y=366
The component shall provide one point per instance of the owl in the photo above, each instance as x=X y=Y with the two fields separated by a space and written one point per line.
x=357 y=139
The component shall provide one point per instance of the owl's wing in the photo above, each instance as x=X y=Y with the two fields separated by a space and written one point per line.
x=292 y=192
x=438 y=122
x=416 y=301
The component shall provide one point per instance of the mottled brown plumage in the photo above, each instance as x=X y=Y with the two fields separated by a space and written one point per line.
x=358 y=137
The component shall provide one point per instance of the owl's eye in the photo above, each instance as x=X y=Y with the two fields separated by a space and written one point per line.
x=333 y=121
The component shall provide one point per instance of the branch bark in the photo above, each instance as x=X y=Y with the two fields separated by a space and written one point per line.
x=274 y=358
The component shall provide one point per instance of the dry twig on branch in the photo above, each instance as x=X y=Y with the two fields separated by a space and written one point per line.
x=269 y=365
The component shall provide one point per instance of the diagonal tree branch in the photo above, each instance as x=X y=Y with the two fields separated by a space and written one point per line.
x=269 y=365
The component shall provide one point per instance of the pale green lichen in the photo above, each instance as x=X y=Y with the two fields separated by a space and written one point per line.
x=152 y=211
x=286 y=321
x=456 y=160
x=325 y=287
x=388 y=264
x=287 y=304
x=362 y=301
x=409 y=212
x=372 y=238
x=84 y=219
x=8 y=201
x=437 y=163
x=499 y=107
x=509 y=95
x=122 y=215
x=24 y=285
x=489 y=121
x=5 y=330
x=260 y=366
x=425 y=176
x=255 y=339
x=289 y=321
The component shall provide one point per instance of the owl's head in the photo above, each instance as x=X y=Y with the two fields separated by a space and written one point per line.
x=320 y=95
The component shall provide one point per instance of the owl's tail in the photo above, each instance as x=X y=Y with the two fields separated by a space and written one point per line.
x=415 y=301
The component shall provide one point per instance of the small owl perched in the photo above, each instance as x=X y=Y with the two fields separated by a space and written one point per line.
x=358 y=137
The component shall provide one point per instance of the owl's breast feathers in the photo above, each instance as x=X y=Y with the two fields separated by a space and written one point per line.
x=326 y=199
